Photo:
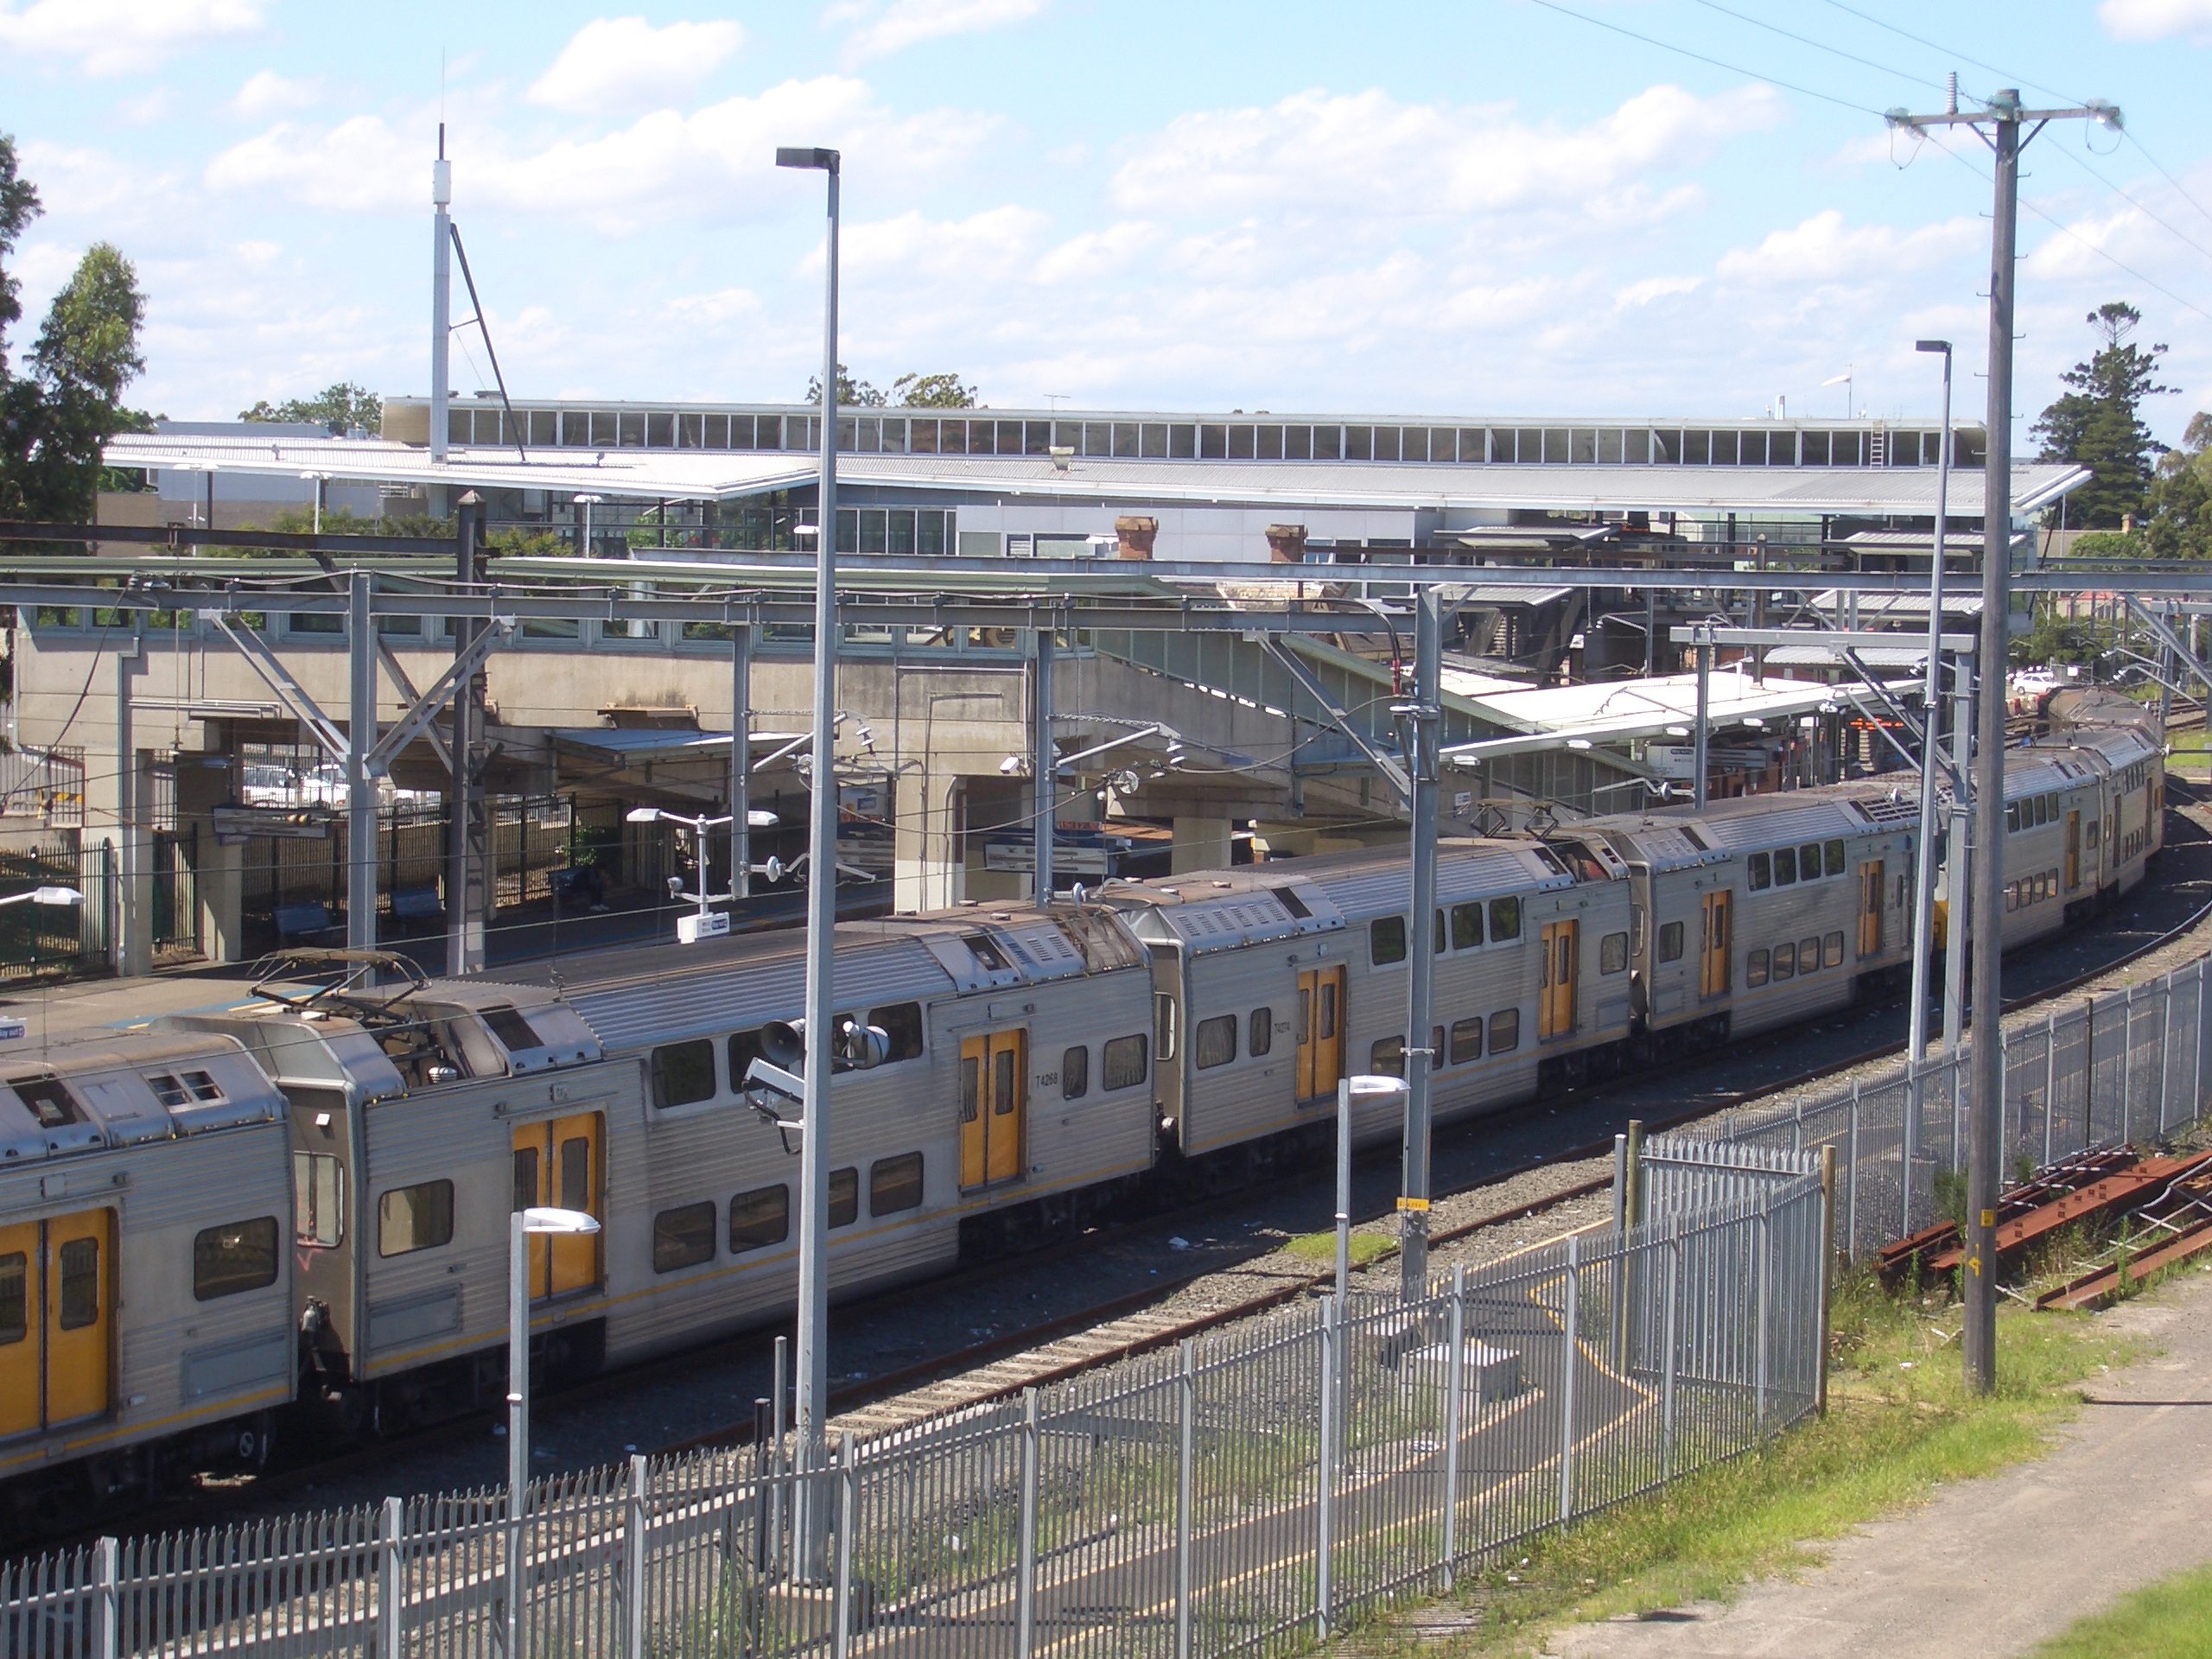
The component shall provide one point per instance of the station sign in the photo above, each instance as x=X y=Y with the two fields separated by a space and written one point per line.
x=713 y=924
x=1019 y=857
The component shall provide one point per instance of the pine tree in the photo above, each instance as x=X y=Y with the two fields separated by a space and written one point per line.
x=2098 y=423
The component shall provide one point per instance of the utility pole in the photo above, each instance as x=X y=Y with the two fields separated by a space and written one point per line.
x=2003 y=117
x=441 y=302
x=1931 y=723
x=1424 y=716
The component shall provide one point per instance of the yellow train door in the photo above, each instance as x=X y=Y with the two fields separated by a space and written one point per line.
x=23 y=1329
x=1712 y=962
x=560 y=1164
x=1555 y=979
x=80 y=1299
x=1320 y=1032
x=2073 y=850
x=1869 y=908
x=992 y=1103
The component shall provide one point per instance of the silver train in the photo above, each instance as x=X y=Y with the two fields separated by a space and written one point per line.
x=222 y=1213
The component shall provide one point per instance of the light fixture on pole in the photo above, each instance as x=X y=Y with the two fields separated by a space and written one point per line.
x=523 y=1225
x=706 y=922
x=813 y=1356
x=45 y=896
x=319 y=480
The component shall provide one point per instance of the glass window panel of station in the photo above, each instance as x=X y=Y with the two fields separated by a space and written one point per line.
x=1387 y=443
x=1813 y=448
x=1240 y=442
x=1328 y=443
x=1298 y=443
x=894 y=439
x=656 y=431
x=1359 y=443
x=576 y=429
x=1697 y=448
x=1726 y=449
x=1182 y=442
x=1931 y=449
x=1845 y=450
x=952 y=438
x=1751 y=448
x=1213 y=444
x=1782 y=448
x=1268 y=443
x=1557 y=445
x=1098 y=437
x=1127 y=441
x=1904 y=448
x=1009 y=436
x=1152 y=441
x=1582 y=446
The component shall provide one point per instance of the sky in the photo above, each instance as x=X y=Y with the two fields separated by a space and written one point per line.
x=1639 y=207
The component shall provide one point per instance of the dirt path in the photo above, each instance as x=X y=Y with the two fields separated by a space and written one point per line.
x=1990 y=1567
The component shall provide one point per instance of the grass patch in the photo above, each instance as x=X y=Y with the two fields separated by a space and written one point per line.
x=2168 y=1620
x=1321 y=1248
x=1900 y=1423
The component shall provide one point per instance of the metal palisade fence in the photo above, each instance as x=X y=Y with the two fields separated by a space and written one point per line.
x=2126 y=1067
x=1244 y=1493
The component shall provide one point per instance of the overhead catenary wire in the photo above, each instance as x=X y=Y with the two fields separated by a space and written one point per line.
x=1718 y=63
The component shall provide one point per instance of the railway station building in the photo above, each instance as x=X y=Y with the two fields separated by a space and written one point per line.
x=1212 y=748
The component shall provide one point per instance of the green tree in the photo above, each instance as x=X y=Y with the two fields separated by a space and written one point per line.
x=932 y=392
x=2180 y=501
x=55 y=420
x=338 y=409
x=851 y=393
x=2097 y=422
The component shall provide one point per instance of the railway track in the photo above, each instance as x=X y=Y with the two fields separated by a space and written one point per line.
x=1111 y=1328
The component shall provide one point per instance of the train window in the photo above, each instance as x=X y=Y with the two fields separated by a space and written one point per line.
x=894 y=1184
x=525 y=1193
x=1670 y=942
x=1466 y=926
x=241 y=1255
x=1388 y=1058
x=1808 y=954
x=683 y=1237
x=1832 y=851
x=14 y=1298
x=1466 y=1040
x=318 y=1201
x=2012 y=895
x=760 y=1217
x=1075 y=1073
x=1809 y=862
x=1261 y=1036
x=1386 y=940
x=1216 y=1041
x=2012 y=816
x=902 y=1023
x=1755 y=967
x=683 y=1073
x=2093 y=833
x=418 y=1217
x=167 y=1089
x=987 y=952
x=1124 y=1066
x=1785 y=865
x=80 y=1283
x=1504 y=920
x=514 y=1031
x=1832 y=949
x=1759 y=872
x=1436 y=947
x=1785 y=961
x=50 y=1103
x=844 y=1196
x=1613 y=953
x=575 y=1173
x=1505 y=1031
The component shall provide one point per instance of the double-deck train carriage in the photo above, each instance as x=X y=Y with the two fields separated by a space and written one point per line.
x=1767 y=909
x=147 y=1311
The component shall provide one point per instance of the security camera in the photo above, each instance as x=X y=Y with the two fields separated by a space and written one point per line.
x=1012 y=767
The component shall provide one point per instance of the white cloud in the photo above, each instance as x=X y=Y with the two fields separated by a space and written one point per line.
x=906 y=23
x=1099 y=253
x=2155 y=20
x=1368 y=154
x=617 y=66
x=93 y=184
x=115 y=37
x=1656 y=287
x=713 y=165
x=1822 y=250
x=266 y=93
x=987 y=247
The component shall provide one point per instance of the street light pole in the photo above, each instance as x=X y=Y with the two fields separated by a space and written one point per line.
x=813 y=1356
x=523 y=1225
x=1427 y=714
x=1931 y=700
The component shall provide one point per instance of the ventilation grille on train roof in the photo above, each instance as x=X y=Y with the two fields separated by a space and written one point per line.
x=1883 y=809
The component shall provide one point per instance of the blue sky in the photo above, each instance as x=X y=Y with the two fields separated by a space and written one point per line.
x=1492 y=206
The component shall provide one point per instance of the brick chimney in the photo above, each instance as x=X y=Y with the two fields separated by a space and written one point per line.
x=1136 y=535
x=1286 y=544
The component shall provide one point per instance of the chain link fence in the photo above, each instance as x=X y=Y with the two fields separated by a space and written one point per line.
x=2127 y=1067
x=1246 y=1493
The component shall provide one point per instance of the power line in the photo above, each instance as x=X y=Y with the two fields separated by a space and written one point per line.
x=1821 y=46
x=1921 y=40
x=1683 y=51
x=2168 y=177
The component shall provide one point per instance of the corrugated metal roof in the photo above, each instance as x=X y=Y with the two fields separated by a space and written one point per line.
x=683 y=474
